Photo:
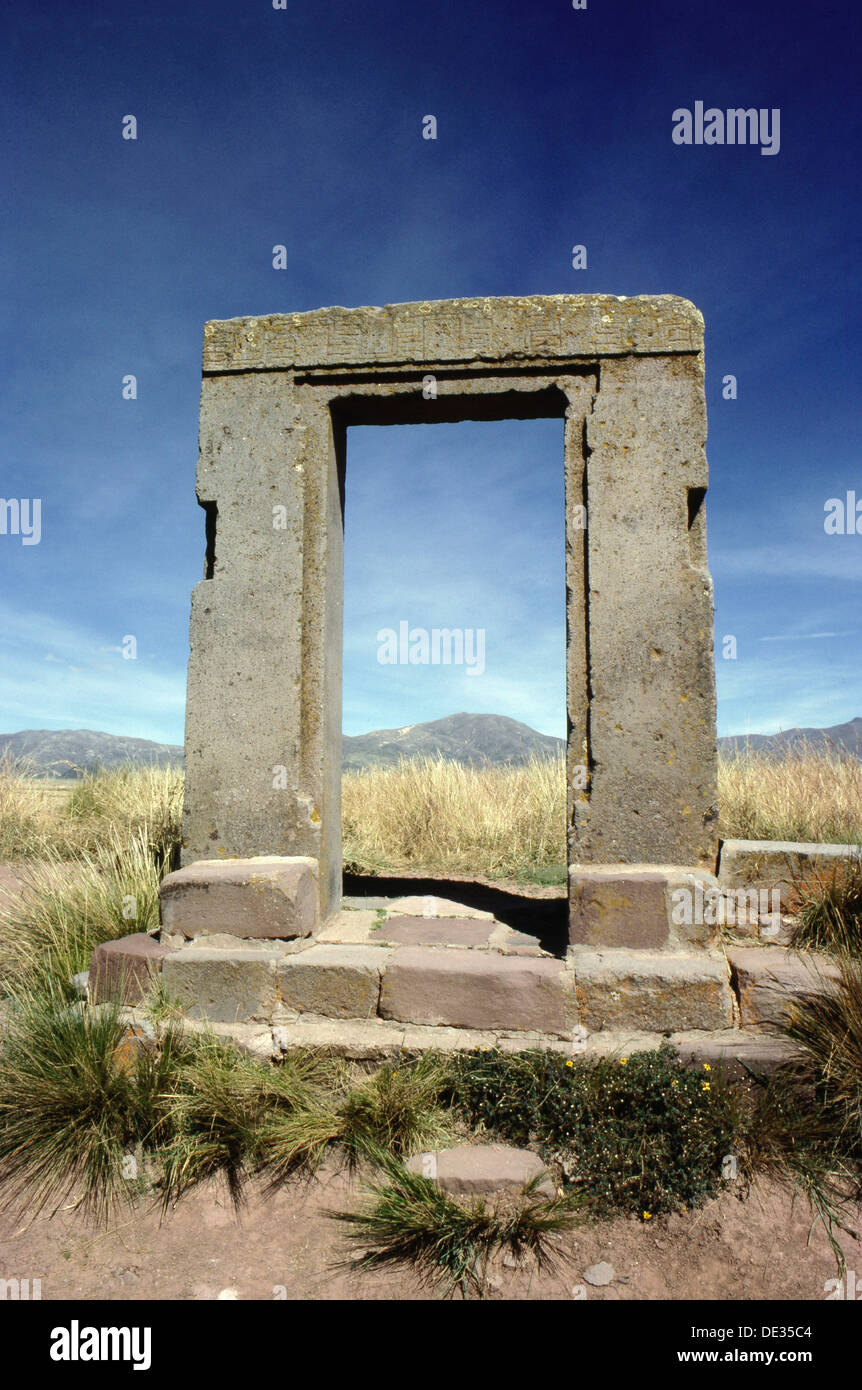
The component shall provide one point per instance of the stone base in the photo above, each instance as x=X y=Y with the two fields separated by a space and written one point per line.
x=122 y=971
x=648 y=907
x=767 y=979
x=266 y=897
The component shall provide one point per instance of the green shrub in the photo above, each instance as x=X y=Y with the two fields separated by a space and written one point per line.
x=640 y=1134
x=71 y=1113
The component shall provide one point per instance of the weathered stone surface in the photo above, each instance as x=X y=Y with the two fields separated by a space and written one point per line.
x=267 y=896
x=514 y=943
x=262 y=766
x=335 y=981
x=351 y=929
x=456 y=330
x=642 y=611
x=225 y=987
x=600 y=1275
x=738 y=1052
x=122 y=971
x=623 y=989
x=475 y=989
x=617 y=906
x=427 y=931
x=778 y=863
x=768 y=978
x=476 y=1169
x=430 y=906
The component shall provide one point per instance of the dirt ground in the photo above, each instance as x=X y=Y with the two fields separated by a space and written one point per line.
x=288 y=1247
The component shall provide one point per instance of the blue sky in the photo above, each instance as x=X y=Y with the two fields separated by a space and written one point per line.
x=303 y=126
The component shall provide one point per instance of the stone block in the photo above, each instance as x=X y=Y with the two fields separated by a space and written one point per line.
x=617 y=905
x=334 y=981
x=122 y=971
x=767 y=979
x=624 y=989
x=476 y=989
x=737 y=1051
x=225 y=987
x=430 y=931
x=480 y=1169
x=777 y=864
x=264 y=897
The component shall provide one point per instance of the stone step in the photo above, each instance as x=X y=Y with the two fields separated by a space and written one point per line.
x=266 y=896
x=767 y=979
x=655 y=992
x=376 y=1040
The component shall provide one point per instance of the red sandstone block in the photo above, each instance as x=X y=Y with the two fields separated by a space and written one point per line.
x=476 y=989
x=121 y=971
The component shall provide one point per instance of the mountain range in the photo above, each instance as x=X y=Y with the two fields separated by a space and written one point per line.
x=470 y=739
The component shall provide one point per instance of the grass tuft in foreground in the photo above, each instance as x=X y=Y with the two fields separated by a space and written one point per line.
x=72 y=1111
x=407 y=1219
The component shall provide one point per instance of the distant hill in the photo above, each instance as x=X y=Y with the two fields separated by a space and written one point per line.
x=470 y=739
x=71 y=752
x=846 y=738
x=475 y=739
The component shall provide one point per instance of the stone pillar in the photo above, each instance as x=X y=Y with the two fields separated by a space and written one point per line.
x=648 y=737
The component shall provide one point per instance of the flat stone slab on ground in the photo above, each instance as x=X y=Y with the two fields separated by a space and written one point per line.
x=768 y=978
x=476 y=989
x=477 y=1169
x=600 y=1275
x=122 y=971
x=431 y=906
x=432 y=931
x=267 y=896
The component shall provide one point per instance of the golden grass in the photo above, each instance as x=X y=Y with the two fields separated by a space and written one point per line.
x=90 y=867
x=813 y=794
x=510 y=822
x=435 y=814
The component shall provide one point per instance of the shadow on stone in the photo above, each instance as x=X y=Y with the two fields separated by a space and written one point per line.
x=544 y=918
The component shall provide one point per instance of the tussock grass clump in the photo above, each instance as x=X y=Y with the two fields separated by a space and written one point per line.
x=69 y=906
x=437 y=814
x=809 y=794
x=407 y=1219
x=827 y=1026
x=395 y=1111
x=221 y=1105
x=71 y=1113
x=828 y=907
x=137 y=801
x=25 y=821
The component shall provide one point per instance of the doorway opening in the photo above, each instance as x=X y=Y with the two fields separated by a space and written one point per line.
x=454 y=661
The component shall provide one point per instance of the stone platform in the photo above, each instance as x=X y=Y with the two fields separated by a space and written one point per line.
x=421 y=963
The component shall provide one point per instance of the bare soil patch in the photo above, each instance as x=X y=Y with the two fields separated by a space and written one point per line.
x=286 y=1246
